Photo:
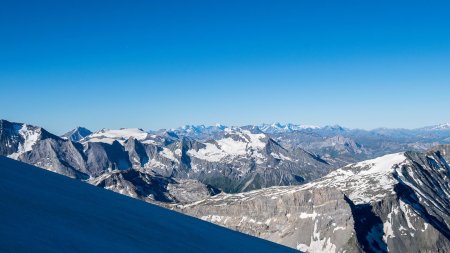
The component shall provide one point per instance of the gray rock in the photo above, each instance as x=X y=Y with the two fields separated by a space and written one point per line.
x=395 y=203
x=58 y=155
x=103 y=157
x=152 y=188
x=315 y=220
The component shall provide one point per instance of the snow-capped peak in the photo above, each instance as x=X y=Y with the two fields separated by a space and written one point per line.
x=366 y=181
x=77 y=134
x=236 y=142
x=120 y=135
x=383 y=164
x=444 y=126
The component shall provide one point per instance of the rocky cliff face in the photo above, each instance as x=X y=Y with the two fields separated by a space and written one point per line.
x=395 y=203
x=153 y=188
x=57 y=155
x=34 y=145
x=312 y=220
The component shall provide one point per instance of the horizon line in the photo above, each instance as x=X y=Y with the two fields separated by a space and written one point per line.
x=281 y=125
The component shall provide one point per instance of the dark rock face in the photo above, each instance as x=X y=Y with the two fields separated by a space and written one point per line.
x=36 y=146
x=136 y=152
x=103 y=157
x=58 y=155
x=10 y=138
x=395 y=203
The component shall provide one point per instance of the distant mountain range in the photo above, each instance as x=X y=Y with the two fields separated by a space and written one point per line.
x=235 y=160
x=229 y=159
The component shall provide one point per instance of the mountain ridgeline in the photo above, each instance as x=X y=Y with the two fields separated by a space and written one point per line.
x=215 y=158
x=237 y=160
x=314 y=189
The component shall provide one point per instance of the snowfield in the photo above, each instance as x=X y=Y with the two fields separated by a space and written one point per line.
x=238 y=143
x=30 y=137
x=120 y=135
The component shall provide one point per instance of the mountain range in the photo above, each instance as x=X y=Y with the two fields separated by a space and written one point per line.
x=237 y=160
x=315 y=189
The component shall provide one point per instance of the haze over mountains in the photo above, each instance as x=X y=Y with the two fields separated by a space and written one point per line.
x=306 y=187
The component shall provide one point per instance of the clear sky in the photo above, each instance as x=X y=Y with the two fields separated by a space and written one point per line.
x=162 y=64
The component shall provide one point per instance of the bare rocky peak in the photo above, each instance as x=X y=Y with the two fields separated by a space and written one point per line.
x=77 y=134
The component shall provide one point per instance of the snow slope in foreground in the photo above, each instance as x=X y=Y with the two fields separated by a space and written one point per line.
x=45 y=212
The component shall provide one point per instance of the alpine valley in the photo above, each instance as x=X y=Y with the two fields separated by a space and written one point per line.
x=314 y=189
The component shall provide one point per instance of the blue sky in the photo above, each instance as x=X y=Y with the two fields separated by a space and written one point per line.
x=162 y=64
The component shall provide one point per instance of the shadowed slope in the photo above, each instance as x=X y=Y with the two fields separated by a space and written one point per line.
x=45 y=212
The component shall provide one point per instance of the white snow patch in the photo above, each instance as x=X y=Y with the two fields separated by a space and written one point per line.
x=245 y=143
x=408 y=214
x=281 y=157
x=210 y=153
x=366 y=181
x=387 y=228
x=302 y=247
x=383 y=164
x=425 y=226
x=320 y=245
x=120 y=135
x=338 y=228
x=30 y=137
x=167 y=153
x=154 y=164
x=309 y=215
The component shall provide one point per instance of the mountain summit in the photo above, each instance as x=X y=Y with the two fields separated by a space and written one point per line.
x=77 y=134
